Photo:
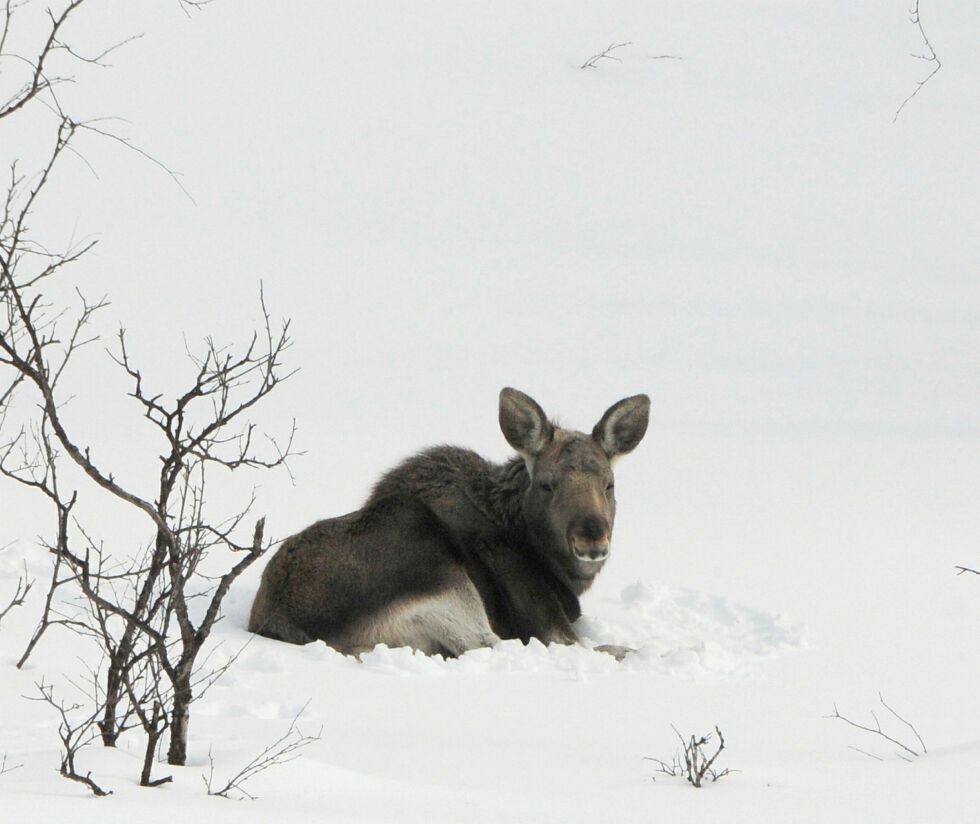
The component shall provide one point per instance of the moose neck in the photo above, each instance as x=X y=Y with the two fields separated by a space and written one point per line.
x=504 y=494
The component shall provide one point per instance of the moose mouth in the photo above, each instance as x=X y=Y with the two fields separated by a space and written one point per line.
x=590 y=559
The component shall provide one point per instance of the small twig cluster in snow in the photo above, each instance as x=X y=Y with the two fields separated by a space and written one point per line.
x=285 y=749
x=908 y=749
x=605 y=54
x=960 y=571
x=693 y=762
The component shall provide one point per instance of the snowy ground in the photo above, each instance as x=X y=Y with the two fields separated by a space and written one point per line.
x=536 y=734
x=446 y=204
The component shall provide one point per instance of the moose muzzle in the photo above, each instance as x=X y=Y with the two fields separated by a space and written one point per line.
x=589 y=539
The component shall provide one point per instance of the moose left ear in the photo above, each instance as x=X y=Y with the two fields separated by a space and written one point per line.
x=623 y=426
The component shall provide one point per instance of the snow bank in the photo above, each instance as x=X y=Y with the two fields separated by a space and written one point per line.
x=673 y=631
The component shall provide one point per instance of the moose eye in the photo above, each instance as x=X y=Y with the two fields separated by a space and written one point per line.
x=546 y=486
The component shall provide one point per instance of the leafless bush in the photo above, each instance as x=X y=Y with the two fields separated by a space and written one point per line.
x=150 y=614
x=908 y=749
x=77 y=729
x=693 y=760
x=282 y=751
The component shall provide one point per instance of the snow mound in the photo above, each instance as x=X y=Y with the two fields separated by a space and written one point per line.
x=688 y=632
x=672 y=631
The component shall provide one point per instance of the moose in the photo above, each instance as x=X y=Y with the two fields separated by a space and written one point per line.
x=452 y=552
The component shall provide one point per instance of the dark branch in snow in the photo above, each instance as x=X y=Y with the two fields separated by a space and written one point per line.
x=24 y=584
x=7 y=768
x=282 y=751
x=877 y=730
x=605 y=54
x=963 y=569
x=929 y=57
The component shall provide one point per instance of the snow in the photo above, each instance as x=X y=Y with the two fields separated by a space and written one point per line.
x=445 y=204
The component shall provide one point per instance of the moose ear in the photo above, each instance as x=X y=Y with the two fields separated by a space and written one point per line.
x=623 y=426
x=523 y=423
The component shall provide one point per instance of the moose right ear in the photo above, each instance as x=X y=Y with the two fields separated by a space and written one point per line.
x=524 y=423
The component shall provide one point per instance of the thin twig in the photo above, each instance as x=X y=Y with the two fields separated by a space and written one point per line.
x=877 y=729
x=605 y=54
x=24 y=584
x=285 y=749
x=916 y=18
x=7 y=768
x=870 y=755
x=906 y=723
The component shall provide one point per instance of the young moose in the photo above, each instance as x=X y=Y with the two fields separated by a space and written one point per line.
x=452 y=552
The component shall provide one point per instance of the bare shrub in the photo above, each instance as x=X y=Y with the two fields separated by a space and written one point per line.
x=694 y=761
x=76 y=729
x=150 y=613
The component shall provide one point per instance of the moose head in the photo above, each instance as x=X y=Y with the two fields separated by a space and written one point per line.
x=570 y=503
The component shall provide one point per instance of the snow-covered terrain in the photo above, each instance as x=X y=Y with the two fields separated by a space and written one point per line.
x=445 y=203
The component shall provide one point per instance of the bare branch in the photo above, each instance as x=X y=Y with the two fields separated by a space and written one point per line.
x=915 y=732
x=879 y=731
x=285 y=749
x=7 y=768
x=39 y=81
x=870 y=755
x=24 y=584
x=931 y=57
x=76 y=732
x=605 y=54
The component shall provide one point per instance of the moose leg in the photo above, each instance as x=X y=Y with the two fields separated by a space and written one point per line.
x=454 y=622
x=278 y=626
x=447 y=622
